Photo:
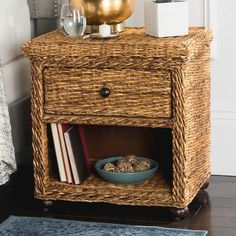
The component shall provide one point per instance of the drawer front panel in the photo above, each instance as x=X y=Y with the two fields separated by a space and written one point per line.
x=133 y=93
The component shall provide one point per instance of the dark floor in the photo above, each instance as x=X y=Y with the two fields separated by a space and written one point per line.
x=218 y=216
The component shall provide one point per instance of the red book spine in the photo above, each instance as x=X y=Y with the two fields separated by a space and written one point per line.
x=85 y=149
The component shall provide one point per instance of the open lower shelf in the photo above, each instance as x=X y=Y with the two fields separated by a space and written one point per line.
x=153 y=192
x=107 y=141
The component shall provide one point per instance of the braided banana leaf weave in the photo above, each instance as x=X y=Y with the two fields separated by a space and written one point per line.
x=158 y=83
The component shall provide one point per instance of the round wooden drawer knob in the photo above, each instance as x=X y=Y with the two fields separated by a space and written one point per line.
x=105 y=92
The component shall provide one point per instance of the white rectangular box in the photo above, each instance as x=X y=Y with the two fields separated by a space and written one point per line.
x=166 y=19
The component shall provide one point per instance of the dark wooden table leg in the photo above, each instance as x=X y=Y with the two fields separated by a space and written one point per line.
x=205 y=185
x=179 y=212
x=47 y=204
x=202 y=198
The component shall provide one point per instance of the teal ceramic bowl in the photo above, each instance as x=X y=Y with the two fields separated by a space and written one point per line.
x=125 y=178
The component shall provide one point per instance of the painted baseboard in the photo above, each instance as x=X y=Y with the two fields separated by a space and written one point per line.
x=223 y=143
x=21 y=129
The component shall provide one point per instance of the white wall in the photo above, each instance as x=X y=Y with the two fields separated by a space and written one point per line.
x=223 y=91
x=221 y=16
x=15 y=30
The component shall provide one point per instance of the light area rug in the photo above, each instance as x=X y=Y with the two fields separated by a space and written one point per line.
x=36 y=226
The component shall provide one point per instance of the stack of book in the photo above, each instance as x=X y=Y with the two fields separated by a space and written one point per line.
x=71 y=152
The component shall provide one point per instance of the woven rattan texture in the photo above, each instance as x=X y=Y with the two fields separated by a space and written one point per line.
x=76 y=91
x=130 y=44
x=92 y=190
x=191 y=128
x=167 y=83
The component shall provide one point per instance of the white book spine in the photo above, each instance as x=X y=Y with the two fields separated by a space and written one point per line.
x=65 y=154
x=74 y=169
x=58 y=152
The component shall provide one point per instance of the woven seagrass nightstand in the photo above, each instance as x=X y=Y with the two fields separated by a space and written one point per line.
x=133 y=82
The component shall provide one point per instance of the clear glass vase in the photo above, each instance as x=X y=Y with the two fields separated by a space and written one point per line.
x=73 y=20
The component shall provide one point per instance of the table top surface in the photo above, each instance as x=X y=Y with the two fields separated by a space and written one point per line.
x=133 y=41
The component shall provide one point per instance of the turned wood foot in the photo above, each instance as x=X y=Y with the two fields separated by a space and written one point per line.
x=179 y=212
x=205 y=185
x=47 y=204
x=202 y=198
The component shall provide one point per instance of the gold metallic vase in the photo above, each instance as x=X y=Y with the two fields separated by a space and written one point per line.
x=112 y=12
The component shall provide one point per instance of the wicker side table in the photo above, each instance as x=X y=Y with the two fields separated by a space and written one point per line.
x=154 y=83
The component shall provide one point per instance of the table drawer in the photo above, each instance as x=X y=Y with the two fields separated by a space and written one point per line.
x=130 y=93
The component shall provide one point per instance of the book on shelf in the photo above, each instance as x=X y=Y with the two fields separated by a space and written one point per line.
x=76 y=154
x=58 y=151
x=85 y=149
x=61 y=129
